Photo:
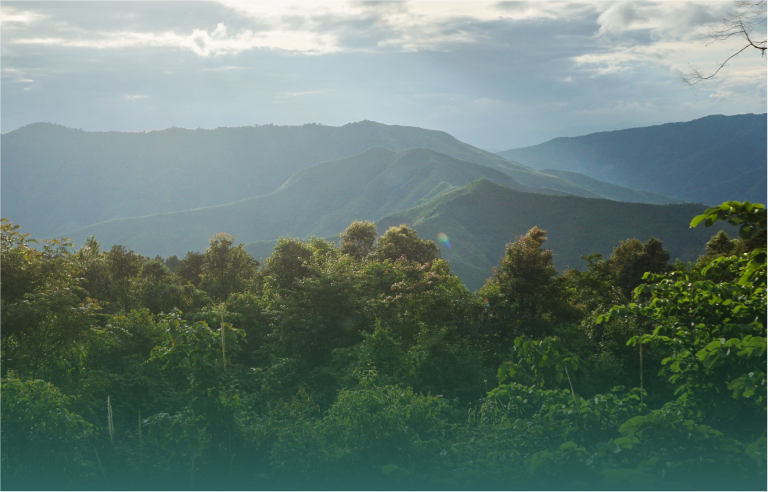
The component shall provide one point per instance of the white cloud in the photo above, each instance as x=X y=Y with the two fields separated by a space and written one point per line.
x=11 y=17
x=17 y=75
x=312 y=27
x=200 y=41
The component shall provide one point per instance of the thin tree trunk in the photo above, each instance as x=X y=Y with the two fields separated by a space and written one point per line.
x=99 y=462
x=223 y=339
x=192 y=470
x=231 y=454
x=141 y=455
x=573 y=393
x=641 y=373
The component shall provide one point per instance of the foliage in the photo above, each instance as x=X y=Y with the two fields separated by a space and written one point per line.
x=403 y=241
x=359 y=239
x=751 y=219
x=373 y=368
x=715 y=331
x=45 y=445
x=226 y=268
x=365 y=430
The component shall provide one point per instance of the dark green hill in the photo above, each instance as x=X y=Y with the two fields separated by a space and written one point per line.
x=480 y=218
x=57 y=179
x=321 y=200
x=682 y=160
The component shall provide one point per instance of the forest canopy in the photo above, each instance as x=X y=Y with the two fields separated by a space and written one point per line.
x=370 y=365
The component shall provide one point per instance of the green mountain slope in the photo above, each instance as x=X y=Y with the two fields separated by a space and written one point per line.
x=612 y=191
x=480 y=218
x=57 y=179
x=676 y=159
x=321 y=200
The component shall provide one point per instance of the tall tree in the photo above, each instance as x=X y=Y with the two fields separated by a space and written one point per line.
x=524 y=294
x=359 y=240
x=403 y=241
x=226 y=268
x=633 y=259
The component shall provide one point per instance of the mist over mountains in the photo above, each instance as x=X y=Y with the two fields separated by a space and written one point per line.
x=58 y=179
x=167 y=192
x=321 y=200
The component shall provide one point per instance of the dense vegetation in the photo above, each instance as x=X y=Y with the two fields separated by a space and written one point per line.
x=370 y=365
x=676 y=159
x=58 y=179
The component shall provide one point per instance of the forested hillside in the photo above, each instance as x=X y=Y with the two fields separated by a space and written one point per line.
x=708 y=160
x=480 y=218
x=320 y=200
x=57 y=179
x=369 y=365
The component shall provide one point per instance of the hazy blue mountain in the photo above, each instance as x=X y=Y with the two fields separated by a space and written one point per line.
x=480 y=218
x=57 y=179
x=320 y=200
x=612 y=191
x=709 y=160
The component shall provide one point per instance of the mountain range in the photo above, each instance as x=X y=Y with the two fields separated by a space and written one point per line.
x=167 y=192
x=58 y=179
x=320 y=200
x=709 y=160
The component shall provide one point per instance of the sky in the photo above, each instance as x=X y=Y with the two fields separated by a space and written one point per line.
x=495 y=75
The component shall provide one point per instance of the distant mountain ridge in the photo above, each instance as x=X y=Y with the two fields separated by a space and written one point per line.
x=708 y=160
x=320 y=200
x=480 y=208
x=57 y=179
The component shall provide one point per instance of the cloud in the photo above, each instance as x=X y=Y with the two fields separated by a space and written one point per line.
x=201 y=42
x=11 y=17
x=308 y=27
x=681 y=20
x=16 y=75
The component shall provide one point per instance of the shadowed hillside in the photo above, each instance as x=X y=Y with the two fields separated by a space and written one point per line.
x=480 y=218
x=709 y=160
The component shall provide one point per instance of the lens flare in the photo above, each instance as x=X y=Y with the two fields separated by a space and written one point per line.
x=443 y=238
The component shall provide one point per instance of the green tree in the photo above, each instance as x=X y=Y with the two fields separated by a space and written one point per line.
x=172 y=262
x=287 y=263
x=158 y=289
x=44 y=444
x=632 y=259
x=226 y=268
x=123 y=265
x=524 y=295
x=714 y=334
x=403 y=241
x=359 y=239
x=751 y=219
x=190 y=268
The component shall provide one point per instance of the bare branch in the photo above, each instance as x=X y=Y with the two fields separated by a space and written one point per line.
x=694 y=77
x=749 y=15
